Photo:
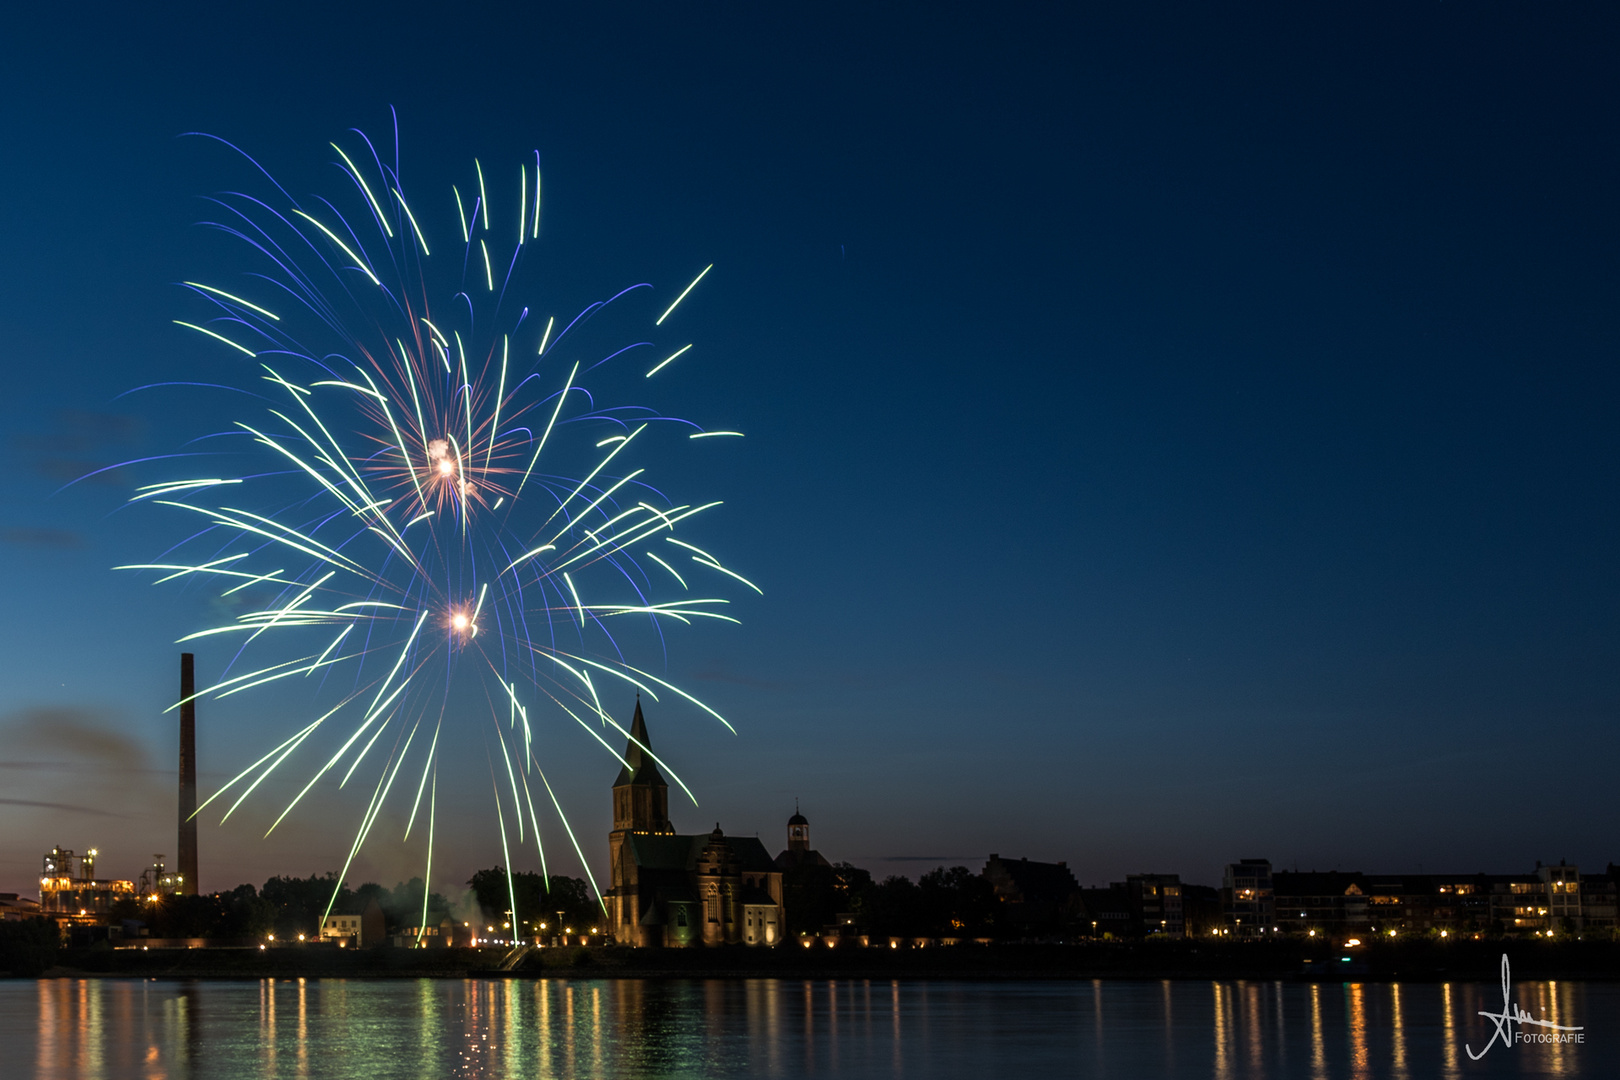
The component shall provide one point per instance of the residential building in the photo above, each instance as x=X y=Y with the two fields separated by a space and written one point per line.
x=1143 y=905
x=358 y=927
x=1329 y=903
x=1041 y=896
x=1246 y=898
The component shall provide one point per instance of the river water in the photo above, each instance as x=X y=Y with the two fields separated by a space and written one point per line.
x=543 y=1028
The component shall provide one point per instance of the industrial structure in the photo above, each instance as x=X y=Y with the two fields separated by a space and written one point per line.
x=70 y=892
x=186 y=863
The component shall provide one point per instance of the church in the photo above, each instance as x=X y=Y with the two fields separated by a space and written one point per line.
x=682 y=891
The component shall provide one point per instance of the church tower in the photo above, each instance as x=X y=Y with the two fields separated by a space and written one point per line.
x=798 y=830
x=640 y=805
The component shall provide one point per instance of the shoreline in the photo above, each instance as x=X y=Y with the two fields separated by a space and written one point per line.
x=1416 y=961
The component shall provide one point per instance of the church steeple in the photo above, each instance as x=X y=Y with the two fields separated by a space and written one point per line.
x=640 y=794
x=642 y=770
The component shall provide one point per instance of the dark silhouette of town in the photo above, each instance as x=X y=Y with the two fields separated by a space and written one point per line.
x=670 y=891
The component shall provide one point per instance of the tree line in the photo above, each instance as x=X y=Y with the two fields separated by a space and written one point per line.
x=952 y=902
x=290 y=906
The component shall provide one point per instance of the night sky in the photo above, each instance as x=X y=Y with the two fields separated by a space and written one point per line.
x=1174 y=434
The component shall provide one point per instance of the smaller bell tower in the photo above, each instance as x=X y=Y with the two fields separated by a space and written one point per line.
x=798 y=830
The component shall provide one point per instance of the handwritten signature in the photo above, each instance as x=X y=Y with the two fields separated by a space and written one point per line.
x=1511 y=1014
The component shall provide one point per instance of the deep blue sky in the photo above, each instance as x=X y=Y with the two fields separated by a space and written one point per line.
x=1176 y=434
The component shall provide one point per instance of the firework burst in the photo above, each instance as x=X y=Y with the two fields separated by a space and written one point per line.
x=435 y=493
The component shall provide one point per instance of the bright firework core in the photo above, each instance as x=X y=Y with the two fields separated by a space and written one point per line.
x=463 y=624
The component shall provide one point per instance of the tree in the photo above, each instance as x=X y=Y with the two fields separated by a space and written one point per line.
x=539 y=899
x=28 y=946
x=892 y=908
x=957 y=902
x=299 y=903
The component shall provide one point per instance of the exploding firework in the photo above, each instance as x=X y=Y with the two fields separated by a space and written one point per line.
x=436 y=492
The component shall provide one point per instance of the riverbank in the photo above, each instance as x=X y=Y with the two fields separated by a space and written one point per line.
x=1409 y=961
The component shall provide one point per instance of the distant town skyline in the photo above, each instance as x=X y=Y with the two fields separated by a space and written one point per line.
x=1173 y=436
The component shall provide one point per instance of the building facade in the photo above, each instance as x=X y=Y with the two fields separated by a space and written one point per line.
x=1247 y=899
x=357 y=928
x=1041 y=898
x=1549 y=900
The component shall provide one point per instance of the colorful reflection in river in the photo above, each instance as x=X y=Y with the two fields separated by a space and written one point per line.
x=335 y=1029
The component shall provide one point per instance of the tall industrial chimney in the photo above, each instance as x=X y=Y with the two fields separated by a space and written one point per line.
x=187 y=868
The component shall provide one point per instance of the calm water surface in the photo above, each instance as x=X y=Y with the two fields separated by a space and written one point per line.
x=338 y=1028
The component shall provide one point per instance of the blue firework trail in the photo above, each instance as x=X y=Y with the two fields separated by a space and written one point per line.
x=410 y=517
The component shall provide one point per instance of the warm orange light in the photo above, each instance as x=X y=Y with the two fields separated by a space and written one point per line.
x=446 y=468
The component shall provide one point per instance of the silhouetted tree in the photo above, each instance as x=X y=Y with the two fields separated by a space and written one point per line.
x=28 y=947
x=957 y=902
x=539 y=899
x=892 y=908
x=299 y=903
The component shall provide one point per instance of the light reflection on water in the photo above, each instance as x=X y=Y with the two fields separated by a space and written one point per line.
x=327 y=1029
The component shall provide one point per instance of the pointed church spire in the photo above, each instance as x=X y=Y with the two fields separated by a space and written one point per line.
x=642 y=769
